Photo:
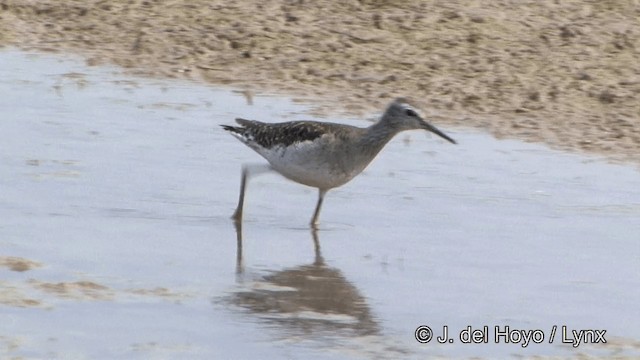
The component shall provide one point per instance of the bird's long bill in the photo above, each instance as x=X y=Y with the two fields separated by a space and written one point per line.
x=433 y=129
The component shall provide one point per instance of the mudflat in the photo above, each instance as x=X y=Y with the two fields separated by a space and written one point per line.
x=564 y=73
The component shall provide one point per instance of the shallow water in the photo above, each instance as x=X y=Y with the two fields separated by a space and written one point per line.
x=116 y=242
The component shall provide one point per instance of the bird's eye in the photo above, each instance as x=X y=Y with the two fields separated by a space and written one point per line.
x=410 y=112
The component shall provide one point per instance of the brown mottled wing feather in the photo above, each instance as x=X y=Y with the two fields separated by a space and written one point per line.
x=279 y=134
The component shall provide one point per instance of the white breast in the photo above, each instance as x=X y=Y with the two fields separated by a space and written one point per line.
x=313 y=163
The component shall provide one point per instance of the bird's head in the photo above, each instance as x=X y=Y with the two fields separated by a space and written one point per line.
x=404 y=116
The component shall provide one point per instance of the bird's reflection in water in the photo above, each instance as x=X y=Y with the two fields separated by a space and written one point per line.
x=311 y=299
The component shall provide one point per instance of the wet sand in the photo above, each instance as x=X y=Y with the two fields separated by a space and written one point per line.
x=562 y=73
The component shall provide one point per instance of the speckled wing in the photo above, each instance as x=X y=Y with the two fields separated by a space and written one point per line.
x=269 y=135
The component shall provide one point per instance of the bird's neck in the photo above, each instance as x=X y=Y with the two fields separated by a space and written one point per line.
x=377 y=136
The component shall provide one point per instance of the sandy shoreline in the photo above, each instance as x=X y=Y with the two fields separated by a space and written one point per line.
x=565 y=74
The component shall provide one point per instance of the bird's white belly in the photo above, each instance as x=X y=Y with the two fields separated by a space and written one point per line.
x=305 y=164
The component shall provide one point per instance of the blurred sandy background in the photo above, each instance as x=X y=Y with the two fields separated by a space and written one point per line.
x=561 y=72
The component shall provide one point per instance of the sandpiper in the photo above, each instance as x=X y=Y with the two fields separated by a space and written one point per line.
x=320 y=154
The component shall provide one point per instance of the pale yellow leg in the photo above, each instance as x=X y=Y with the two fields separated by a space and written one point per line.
x=314 y=220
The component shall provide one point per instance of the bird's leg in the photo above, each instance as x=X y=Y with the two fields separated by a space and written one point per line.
x=314 y=220
x=247 y=171
x=237 y=215
x=316 y=246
